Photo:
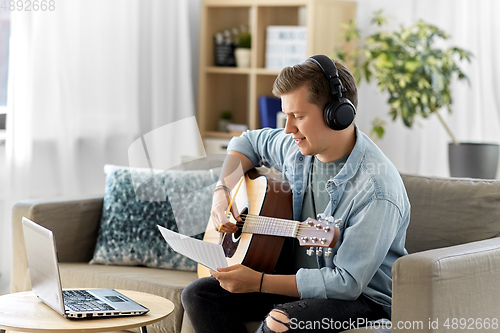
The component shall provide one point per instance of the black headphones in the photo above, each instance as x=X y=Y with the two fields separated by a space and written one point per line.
x=339 y=113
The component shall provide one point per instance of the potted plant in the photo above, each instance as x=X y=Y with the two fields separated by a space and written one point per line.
x=243 y=43
x=417 y=75
x=225 y=119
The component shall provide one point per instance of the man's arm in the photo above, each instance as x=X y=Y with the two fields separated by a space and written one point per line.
x=241 y=279
x=281 y=285
x=368 y=245
x=235 y=166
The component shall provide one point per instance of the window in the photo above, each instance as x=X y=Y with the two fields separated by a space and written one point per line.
x=4 y=64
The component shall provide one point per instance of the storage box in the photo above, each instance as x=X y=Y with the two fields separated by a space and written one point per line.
x=215 y=146
x=285 y=46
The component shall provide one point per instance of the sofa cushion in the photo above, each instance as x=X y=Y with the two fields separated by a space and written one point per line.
x=161 y=282
x=135 y=203
x=451 y=211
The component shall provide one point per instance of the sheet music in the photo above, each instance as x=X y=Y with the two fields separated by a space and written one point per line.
x=208 y=254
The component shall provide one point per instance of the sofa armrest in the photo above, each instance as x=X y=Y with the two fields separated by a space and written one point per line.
x=450 y=283
x=74 y=221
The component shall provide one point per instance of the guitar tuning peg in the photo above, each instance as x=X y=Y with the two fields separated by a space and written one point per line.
x=328 y=253
x=310 y=251
x=338 y=222
x=319 y=251
x=320 y=217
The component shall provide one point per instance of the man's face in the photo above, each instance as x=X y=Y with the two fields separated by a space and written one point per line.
x=305 y=123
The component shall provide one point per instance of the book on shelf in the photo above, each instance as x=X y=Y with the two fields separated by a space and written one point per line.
x=269 y=108
x=237 y=127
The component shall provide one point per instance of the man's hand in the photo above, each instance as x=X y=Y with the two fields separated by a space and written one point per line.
x=238 y=279
x=220 y=202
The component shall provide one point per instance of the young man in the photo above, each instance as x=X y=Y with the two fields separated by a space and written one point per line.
x=335 y=169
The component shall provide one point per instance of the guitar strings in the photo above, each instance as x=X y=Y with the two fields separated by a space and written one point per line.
x=263 y=218
x=285 y=227
x=256 y=221
x=300 y=232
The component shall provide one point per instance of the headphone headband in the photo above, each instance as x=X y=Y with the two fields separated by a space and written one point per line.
x=331 y=73
x=340 y=112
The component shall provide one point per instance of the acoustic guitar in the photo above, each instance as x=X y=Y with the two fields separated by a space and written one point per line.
x=265 y=206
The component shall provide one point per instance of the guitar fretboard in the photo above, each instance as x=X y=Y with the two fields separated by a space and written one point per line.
x=255 y=224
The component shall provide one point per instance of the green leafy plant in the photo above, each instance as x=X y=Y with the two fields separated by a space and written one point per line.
x=243 y=40
x=409 y=65
x=226 y=115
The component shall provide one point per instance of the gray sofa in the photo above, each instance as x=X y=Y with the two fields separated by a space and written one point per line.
x=452 y=271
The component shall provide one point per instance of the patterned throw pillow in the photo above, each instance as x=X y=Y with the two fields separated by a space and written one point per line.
x=135 y=202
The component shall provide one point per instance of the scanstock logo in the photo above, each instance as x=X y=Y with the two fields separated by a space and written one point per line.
x=170 y=164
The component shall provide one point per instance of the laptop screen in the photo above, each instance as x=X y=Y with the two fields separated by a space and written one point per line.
x=42 y=261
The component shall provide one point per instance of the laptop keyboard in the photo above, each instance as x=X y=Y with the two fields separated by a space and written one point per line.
x=83 y=301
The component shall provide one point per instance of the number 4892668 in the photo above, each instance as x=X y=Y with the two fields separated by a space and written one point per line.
x=28 y=5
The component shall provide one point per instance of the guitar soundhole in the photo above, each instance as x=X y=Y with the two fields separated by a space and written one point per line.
x=231 y=241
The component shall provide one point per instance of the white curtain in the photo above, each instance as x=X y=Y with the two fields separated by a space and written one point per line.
x=473 y=25
x=86 y=80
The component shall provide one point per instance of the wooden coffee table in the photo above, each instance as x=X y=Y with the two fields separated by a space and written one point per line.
x=24 y=312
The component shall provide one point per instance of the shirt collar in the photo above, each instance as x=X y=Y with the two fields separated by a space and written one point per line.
x=353 y=163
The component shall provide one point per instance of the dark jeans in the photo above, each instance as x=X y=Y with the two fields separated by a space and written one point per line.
x=213 y=309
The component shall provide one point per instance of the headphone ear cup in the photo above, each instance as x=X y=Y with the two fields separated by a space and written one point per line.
x=329 y=114
x=339 y=115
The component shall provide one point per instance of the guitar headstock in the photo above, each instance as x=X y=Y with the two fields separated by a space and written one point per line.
x=319 y=234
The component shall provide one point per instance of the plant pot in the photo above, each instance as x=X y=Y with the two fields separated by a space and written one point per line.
x=242 y=57
x=223 y=125
x=473 y=160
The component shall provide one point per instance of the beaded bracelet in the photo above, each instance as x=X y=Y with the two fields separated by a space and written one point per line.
x=261 y=279
x=222 y=187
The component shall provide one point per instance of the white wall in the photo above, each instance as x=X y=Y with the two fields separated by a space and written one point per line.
x=423 y=149
x=3 y=176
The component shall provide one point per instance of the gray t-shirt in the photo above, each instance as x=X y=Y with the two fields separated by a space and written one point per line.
x=315 y=201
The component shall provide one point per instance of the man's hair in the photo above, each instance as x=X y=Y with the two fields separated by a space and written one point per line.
x=293 y=77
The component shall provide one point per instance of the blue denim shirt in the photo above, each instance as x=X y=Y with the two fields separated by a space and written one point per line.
x=367 y=194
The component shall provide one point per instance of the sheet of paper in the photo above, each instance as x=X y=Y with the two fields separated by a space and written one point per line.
x=208 y=254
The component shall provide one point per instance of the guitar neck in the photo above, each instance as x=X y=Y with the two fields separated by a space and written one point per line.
x=255 y=224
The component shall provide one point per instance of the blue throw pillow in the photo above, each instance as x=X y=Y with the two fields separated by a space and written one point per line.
x=135 y=202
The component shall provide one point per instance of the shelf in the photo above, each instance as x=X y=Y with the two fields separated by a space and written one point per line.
x=228 y=70
x=238 y=70
x=218 y=135
x=238 y=89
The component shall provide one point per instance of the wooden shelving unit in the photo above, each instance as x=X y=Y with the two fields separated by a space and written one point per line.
x=238 y=89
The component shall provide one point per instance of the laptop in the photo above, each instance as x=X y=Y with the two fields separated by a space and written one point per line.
x=46 y=282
